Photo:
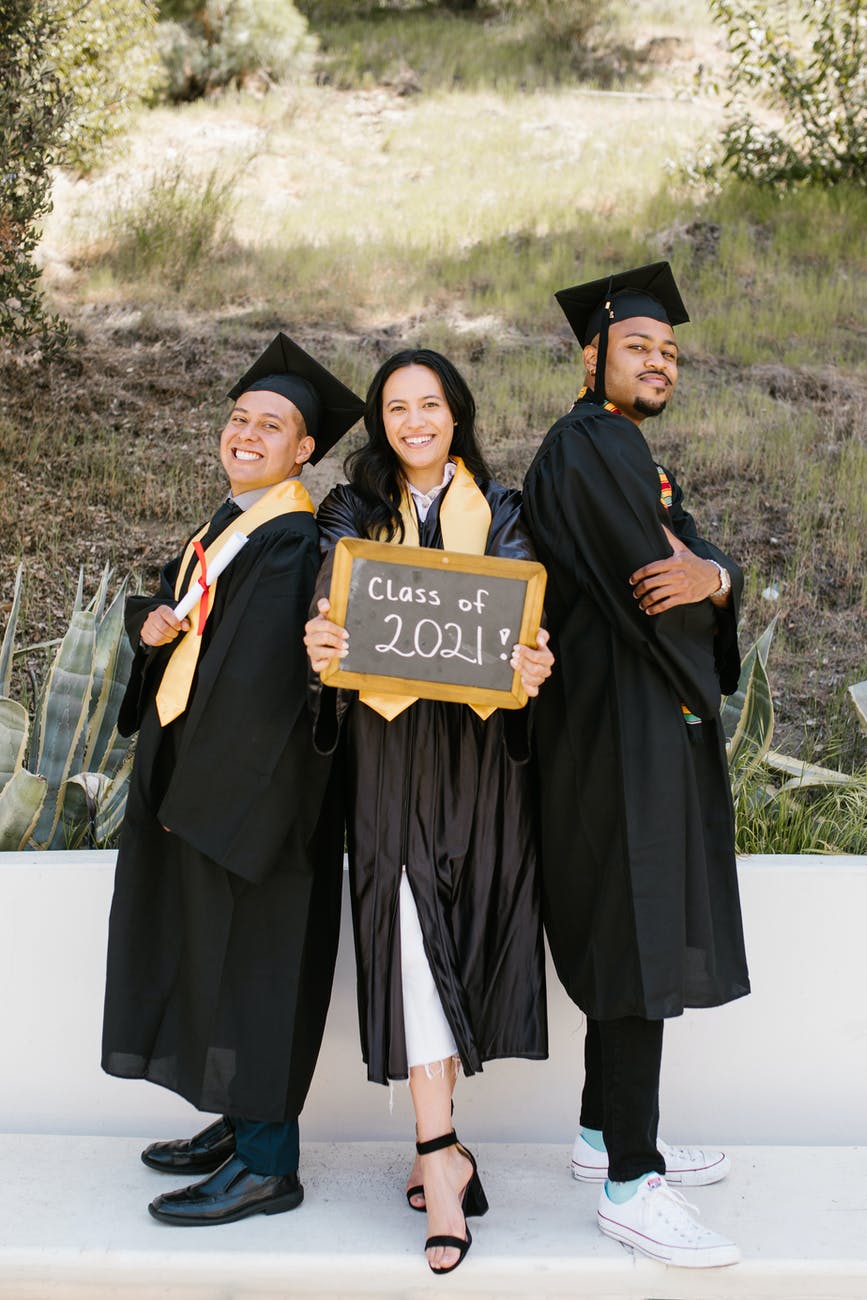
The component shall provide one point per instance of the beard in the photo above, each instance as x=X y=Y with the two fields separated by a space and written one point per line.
x=645 y=407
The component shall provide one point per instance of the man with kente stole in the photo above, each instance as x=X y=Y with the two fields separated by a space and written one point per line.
x=224 y=923
x=638 y=864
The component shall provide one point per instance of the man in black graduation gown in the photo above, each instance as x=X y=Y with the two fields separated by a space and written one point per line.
x=224 y=922
x=638 y=864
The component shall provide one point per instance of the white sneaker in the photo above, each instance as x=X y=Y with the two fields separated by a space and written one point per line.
x=660 y=1223
x=688 y=1166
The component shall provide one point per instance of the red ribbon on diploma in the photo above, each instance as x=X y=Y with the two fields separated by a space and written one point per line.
x=203 y=583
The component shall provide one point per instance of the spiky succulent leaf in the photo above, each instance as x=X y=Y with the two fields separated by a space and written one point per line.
x=9 y=635
x=63 y=715
x=80 y=801
x=97 y=602
x=21 y=800
x=112 y=803
x=78 y=602
x=803 y=774
x=104 y=749
x=732 y=706
x=859 y=699
x=13 y=738
x=751 y=738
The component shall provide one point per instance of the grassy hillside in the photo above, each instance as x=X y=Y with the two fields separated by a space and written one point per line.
x=363 y=219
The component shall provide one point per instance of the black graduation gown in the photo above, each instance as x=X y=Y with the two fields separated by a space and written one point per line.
x=447 y=795
x=639 y=875
x=223 y=929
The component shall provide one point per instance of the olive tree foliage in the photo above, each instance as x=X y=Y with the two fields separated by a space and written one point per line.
x=70 y=72
x=806 y=62
x=106 y=55
x=34 y=109
x=209 y=44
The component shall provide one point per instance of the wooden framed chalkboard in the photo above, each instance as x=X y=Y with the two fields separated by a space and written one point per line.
x=436 y=624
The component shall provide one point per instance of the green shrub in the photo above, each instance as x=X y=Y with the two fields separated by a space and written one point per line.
x=33 y=109
x=226 y=42
x=502 y=44
x=571 y=21
x=106 y=56
x=809 y=67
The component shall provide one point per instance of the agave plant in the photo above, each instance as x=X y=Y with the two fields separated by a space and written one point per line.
x=748 y=721
x=859 y=699
x=64 y=774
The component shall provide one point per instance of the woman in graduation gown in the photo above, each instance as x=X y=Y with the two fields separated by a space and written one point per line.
x=441 y=833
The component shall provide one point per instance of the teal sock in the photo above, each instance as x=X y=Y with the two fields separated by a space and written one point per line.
x=593 y=1137
x=620 y=1192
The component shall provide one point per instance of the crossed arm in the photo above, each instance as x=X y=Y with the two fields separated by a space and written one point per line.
x=680 y=579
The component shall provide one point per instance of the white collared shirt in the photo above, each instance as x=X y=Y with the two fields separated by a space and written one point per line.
x=424 y=500
x=246 y=499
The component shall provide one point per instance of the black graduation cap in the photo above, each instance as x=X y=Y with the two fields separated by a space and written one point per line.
x=329 y=408
x=644 y=291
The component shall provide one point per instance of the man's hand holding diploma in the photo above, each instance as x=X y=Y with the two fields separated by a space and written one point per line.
x=164 y=624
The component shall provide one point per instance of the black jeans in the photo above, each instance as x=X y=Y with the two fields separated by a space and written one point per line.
x=267 y=1148
x=622 y=1059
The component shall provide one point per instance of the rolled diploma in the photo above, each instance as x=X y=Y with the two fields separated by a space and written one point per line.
x=224 y=557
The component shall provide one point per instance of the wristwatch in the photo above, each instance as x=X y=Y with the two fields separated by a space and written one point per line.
x=725 y=580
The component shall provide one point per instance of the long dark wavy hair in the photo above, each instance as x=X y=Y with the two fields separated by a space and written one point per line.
x=374 y=470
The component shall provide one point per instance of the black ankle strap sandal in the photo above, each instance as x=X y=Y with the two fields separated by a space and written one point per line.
x=472 y=1199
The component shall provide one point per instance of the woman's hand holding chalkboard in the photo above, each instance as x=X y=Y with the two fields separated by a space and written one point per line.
x=533 y=665
x=324 y=639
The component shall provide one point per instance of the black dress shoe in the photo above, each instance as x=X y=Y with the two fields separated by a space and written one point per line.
x=201 y=1154
x=232 y=1193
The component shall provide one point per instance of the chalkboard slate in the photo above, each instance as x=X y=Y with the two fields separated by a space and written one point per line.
x=435 y=624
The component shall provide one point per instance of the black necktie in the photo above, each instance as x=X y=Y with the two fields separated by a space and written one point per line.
x=223 y=516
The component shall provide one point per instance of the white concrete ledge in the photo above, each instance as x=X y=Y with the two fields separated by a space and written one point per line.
x=73 y=1226
x=787 y=1065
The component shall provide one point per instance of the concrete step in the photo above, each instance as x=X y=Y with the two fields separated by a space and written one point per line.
x=74 y=1226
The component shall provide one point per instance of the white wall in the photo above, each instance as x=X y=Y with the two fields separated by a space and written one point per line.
x=786 y=1065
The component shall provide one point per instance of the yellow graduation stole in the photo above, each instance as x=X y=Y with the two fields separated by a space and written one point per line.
x=465 y=521
x=174 y=690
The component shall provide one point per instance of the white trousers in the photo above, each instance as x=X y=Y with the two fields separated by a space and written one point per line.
x=427 y=1032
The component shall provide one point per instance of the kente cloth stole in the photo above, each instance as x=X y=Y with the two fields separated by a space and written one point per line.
x=604 y=406
x=666 y=497
x=465 y=521
x=174 y=690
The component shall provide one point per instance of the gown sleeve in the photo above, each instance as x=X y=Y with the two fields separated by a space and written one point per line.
x=145 y=658
x=509 y=538
x=726 y=651
x=592 y=502
x=328 y=705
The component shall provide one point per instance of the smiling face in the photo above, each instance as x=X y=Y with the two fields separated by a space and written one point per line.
x=264 y=442
x=641 y=369
x=418 y=424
